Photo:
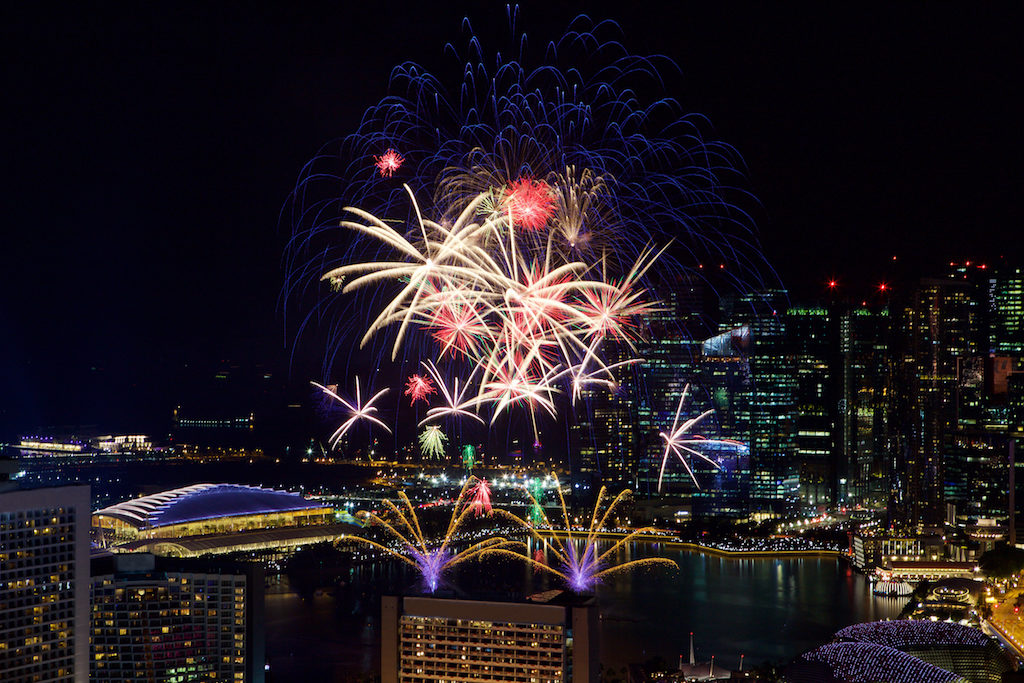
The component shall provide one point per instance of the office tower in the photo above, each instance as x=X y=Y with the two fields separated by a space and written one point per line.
x=615 y=436
x=550 y=639
x=671 y=357
x=941 y=326
x=174 y=620
x=865 y=459
x=44 y=585
x=1006 y=312
x=812 y=339
x=602 y=434
x=763 y=412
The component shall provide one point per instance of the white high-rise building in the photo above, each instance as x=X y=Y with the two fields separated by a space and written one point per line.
x=44 y=585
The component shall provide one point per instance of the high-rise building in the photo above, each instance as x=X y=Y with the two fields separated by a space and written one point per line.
x=865 y=458
x=175 y=620
x=44 y=585
x=812 y=339
x=764 y=410
x=615 y=438
x=671 y=361
x=942 y=322
x=552 y=638
x=1006 y=312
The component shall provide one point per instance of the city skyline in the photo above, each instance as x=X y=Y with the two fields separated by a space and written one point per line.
x=123 y=289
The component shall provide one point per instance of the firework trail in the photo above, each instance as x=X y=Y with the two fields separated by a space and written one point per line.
x=679 y=441
x=456 y=404
x=357 y=410
x=430 y=557
x=580 y=564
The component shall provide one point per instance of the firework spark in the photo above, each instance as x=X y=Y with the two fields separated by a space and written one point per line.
x=430 y=557
x=432 y=442
x=417 y=388
x=679 y=440
x=388 y=163
x=357 y=410
x=456 y=404
x=580 y=562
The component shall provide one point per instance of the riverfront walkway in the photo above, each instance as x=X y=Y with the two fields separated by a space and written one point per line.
x=673 y=542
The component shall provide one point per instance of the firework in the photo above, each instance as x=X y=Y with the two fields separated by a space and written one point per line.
x=357 y=410
x=580 y=563
x=480 y=498
x=417 y=388
x=430 y=557
x=524 y=315
x=530 y=203
x=432 y=442
x=536 y=492
x=567 y=172
x=678 y=441
x=388 y=163
x=456 y=404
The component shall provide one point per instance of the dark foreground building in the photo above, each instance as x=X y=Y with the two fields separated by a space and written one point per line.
x=44 y=583
x=174 y=620
x=550 y=638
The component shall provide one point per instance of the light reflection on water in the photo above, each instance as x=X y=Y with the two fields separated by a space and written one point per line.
x=766 y=609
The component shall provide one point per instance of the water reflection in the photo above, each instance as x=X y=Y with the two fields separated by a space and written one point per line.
x=766 y=609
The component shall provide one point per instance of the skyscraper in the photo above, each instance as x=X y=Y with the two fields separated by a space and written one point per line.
x=44 y=585
x=1006 y=312
x=764 y=410
x=865 y=457
x=812 y=340
x=942 y=329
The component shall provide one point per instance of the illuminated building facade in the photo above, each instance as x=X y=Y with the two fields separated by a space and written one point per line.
x=671 y=361
x=1006 y=312
x=764 y=411
x=941 y=326
x=44 y=585
x=551 y=640
x=865 y=467
x=812 y=336
x=156 y=619
x=207 y=509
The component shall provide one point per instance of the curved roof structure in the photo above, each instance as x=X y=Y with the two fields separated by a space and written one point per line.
x=870 y=663
x=905 y=633
x=205 y=501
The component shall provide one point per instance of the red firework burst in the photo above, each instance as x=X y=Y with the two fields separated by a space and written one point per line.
x=457 y=327
x=531 y=203
x=418 y=388
x=480 y=498
x=388 y=162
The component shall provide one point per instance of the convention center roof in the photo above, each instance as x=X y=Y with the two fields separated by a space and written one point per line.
x=205 y=501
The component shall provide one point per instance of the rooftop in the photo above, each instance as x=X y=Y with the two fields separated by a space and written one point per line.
x=869 y=663
x=205 y=501
x=906 y=633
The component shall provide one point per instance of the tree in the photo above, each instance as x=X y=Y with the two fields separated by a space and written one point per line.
x=1002 y=562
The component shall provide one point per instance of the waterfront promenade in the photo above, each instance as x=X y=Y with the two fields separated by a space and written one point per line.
x=675 y=543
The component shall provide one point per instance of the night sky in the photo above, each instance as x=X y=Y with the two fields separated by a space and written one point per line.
x=149 y=149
